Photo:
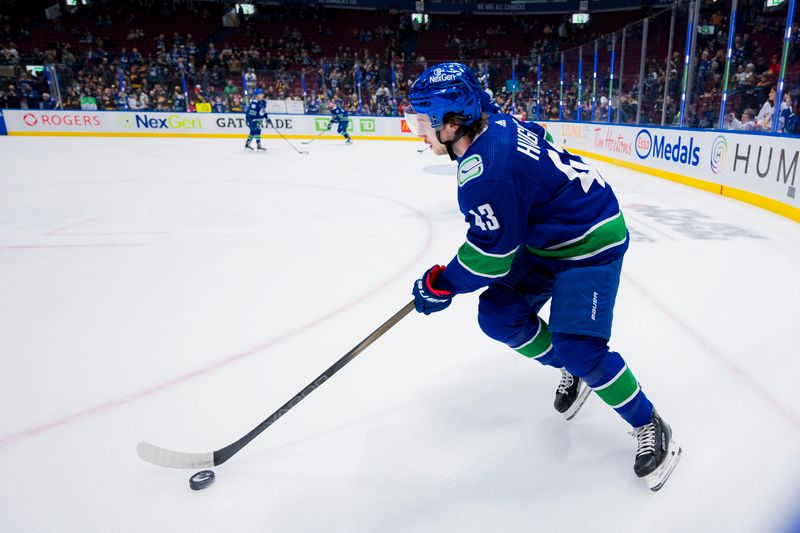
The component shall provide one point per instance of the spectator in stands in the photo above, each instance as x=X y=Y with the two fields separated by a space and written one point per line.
x=10 y=99
x=218 y=106
x=789 y=122
x=749 y=79
x=161 y=98
x=122 y=100
x=47 y=102
x=236 y=104
x=764 y=117
x=135 y=34
x=230 y=90
x=9 y=54
x=746 y=124
x=775 y=66
x=178 y=100
x=602 y=110
x=70 y=99
x=251 y=80
x=30 y=96
x=739 y=77
x=383 y=94
x=134 y=104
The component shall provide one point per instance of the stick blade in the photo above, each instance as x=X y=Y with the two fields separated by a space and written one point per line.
x=172 y=459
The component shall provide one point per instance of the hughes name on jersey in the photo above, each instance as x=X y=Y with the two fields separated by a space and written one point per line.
x=518 y=191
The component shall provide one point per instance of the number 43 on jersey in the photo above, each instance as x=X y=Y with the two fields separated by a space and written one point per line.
x=485 y=218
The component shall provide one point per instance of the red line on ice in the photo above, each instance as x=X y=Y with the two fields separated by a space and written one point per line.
x=227 y=360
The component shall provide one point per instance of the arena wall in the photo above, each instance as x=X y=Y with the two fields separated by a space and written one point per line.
x=759 y=169
x=166 y=124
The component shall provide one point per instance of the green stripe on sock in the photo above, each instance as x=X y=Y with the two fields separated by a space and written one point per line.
x=620 y=389
x=539 y=345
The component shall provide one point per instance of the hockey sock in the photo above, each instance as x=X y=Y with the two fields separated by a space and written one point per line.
x=258 y=140
x=249 y=139
x=539 y=346
x=606 y=373
x=624 y=394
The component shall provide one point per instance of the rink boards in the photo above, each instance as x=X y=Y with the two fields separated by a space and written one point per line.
x=168 y=124
x=757 y=168
x=760 y=169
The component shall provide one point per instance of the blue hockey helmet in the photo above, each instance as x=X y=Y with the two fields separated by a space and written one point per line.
x=447 y=88
x=257 y=92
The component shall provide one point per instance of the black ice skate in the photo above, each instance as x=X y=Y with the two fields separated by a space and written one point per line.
x=248 y=147
x=657 y=453
x=571 y=394
x=349 y=141
x=261 y=148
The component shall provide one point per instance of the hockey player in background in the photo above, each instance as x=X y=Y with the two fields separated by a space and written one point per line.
x=340 y=116
x=254 y=115
x=543 y=225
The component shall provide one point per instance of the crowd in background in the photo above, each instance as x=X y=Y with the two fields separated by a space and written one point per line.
x=144 y=66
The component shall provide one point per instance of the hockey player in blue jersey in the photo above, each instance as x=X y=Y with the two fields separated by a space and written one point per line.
x=255 y=115
x=543 y=225
x=488 y=105
x=340 y=116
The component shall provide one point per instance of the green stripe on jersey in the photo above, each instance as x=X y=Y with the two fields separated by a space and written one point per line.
x=620 y=389
x=484 y=264
x=540 y=344
x=605 y=234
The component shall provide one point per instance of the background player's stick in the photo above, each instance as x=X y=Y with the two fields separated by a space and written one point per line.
x=420 y=151
x=287 y=140
x=173 y=459
x=315 y=138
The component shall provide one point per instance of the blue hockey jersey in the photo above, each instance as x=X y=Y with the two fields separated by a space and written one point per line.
x=256 y=110
x=339 y=115
x=519 y=191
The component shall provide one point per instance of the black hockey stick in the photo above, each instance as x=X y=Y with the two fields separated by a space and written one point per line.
x=320 y=134
x=287 y=140
x=173 y=459
x=424 y=149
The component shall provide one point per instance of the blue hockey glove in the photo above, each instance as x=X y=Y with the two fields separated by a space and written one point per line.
x=427 y=299
x=330 y=125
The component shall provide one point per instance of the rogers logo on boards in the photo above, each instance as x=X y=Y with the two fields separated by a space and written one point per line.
x=56 y=119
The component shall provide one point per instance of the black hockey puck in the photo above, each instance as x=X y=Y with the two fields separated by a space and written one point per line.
x=201 y=480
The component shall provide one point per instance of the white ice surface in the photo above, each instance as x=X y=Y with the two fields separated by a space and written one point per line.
x=180 y=291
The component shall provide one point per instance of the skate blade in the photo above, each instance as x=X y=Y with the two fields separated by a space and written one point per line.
x=656 y=479
x=570 y=413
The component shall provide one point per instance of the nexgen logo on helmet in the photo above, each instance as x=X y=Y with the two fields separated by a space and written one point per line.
x=440 y=76
x=447 y=88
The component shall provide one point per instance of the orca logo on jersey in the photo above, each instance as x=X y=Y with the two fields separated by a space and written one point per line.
x=439 y=76
x=470 y=168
